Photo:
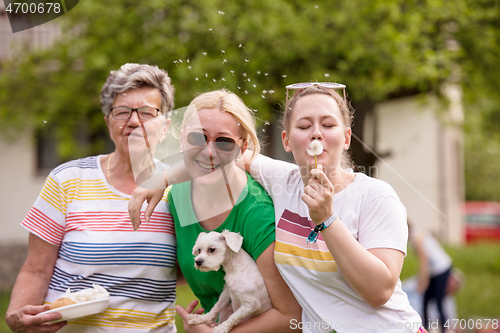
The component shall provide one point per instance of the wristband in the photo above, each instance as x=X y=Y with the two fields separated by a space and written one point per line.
x=313 y=236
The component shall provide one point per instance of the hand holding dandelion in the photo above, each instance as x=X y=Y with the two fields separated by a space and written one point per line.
x=315 y=148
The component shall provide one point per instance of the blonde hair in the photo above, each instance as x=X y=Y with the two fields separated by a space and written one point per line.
x=346 y=111
x=229 y=102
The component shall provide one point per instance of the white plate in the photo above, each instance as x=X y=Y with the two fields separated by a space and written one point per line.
x=79 y=310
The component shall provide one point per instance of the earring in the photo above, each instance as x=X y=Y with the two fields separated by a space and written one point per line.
x=182 y=151
x=238 y=159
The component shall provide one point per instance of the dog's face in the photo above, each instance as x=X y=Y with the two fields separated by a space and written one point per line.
x=210 y=249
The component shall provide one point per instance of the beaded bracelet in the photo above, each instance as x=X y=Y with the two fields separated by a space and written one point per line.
x=313 y=236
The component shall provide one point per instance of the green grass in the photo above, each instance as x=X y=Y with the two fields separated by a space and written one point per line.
x=479 y=297
x=184 y=297
x=4 y=303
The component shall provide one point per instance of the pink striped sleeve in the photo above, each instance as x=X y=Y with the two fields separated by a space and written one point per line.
x=43 y=226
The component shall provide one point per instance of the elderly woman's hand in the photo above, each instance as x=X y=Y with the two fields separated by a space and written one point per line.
x=152 y=196
x=27 y=319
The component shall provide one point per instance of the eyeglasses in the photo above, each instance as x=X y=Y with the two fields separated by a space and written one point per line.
x=222 y=143
x=303 y=85
x=144 y=113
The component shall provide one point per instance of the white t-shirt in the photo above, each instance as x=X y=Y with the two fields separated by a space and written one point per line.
x=439 y=260
x=375 y=217
x=88 y=219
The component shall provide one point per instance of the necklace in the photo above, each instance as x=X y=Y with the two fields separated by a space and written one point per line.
x=107 y=169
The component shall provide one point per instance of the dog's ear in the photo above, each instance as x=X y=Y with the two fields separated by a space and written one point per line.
x=233 y=240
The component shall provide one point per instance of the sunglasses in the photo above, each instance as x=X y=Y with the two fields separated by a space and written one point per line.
x=222 y=143
x=303 y=85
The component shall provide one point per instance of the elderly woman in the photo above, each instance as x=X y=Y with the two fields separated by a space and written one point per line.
x=80 y=232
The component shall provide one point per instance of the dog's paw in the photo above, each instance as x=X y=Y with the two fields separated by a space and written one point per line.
x=196 y=319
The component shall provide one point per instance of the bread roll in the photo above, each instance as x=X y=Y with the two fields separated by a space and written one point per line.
x=60 y=302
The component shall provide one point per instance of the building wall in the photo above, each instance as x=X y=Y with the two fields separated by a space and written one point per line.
x=20 y=188
x=425 y=165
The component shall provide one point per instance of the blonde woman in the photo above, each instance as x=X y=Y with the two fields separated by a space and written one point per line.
x=217 y=129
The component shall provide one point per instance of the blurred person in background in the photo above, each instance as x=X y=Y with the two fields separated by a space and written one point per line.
x=80 y=231
x=435 y=267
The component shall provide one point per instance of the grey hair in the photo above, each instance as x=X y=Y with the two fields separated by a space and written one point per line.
x=131 y=76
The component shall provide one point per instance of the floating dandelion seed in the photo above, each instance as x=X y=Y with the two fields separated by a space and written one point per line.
x=206 y=74
x=223 y=79
x=248 y=79
x=223 y=51
x=284 y=75
x=204 y=53
x=258 y=72
x=240 y=45
x=263 y=130
x=225 y=60
x=214 y=80
x=262 y=96
x=187 y=61
x=246 y=92
x=180 y=60
x=239 y=87
x=189 y=67
x=271 y=91
x=316 y=6
x=246 y=60
x=267 y=123
x=244 y=74
x=220 y=12
x=211 y=29
x=232 y=72
x=315 y=148
x=196 y=79
x=255 y=86
x=327 y=75
x=264 y=91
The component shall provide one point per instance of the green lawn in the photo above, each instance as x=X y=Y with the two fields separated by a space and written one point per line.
x=479 y=298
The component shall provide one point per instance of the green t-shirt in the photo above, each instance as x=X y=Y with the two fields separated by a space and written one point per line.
x=252 y=216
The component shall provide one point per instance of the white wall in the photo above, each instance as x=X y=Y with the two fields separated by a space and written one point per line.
x=19 y=188
x=425 y=167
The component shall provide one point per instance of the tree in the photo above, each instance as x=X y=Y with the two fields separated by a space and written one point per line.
x=380 y=49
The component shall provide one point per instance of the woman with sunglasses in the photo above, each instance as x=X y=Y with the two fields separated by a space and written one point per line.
x=340 y=236
x=217 y=128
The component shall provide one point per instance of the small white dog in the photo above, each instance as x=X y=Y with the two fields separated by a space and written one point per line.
x=244 y=288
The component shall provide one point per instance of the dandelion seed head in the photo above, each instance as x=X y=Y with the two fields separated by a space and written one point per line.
x=315 y=148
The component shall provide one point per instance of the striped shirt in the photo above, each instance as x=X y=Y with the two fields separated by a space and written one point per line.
x=88 y=219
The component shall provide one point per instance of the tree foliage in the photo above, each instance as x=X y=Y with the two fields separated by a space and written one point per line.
x=379 y=49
